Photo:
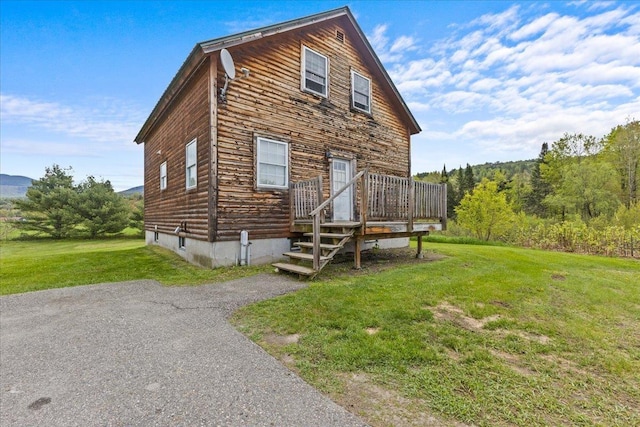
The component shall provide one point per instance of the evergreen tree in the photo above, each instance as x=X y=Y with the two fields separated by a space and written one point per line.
x=101 y=209
x=461 y=188
x=451 y=193
x=540 y=188
x=48 y=207
x=469 y=180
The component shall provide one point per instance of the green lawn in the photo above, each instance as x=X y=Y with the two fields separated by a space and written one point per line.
x=44 y=264
x=486 y=335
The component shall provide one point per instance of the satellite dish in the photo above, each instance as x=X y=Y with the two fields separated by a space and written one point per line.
x=227 y=63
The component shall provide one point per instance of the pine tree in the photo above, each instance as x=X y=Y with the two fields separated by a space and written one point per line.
x=539 y=187
x=469 y=180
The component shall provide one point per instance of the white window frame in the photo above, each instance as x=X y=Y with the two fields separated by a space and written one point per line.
x=260 y=163
x=163 y=176
x=303 y=77
x=191 y=169
x=354 y=75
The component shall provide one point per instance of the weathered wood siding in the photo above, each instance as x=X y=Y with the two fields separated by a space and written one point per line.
x=185 y=119
x=271 y=104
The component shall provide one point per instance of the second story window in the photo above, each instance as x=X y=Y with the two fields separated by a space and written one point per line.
x=192 y=168
x=360 y=92
x=315 y=72
x=163 y=176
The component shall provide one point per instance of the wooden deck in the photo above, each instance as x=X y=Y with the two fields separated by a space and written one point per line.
x=385 y=207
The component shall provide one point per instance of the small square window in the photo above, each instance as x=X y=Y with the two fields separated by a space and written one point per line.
x=163 y=176
x=315 y=72
x=192 y=165
x=360 y=92
x=272 y=163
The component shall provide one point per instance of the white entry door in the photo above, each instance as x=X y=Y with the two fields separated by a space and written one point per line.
x=343 y=204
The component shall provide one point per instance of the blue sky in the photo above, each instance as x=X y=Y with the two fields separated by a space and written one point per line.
x=487 y=81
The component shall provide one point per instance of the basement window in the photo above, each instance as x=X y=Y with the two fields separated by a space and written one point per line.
x=360 y=92
x=315 y=72
x=182 y=242
x=192 y=161
x=272 y=163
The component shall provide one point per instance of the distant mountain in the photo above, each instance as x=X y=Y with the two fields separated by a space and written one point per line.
x=135 y=190
x=12 y=186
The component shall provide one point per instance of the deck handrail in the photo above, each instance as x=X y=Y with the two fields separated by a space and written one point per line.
x=316 y=218
x=305 y=197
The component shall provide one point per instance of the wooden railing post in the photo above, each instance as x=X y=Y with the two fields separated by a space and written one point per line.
x=320 y=197
x=292 y=206
x=412 y=203
x=443 y=208
x=316 y=242
x=365 y=201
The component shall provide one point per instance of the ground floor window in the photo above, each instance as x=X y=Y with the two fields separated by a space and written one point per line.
x=272 y=163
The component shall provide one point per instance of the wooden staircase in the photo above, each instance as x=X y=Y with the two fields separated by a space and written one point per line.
x=333 y=237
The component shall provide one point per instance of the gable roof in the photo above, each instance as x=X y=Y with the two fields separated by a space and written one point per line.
x=200 y=51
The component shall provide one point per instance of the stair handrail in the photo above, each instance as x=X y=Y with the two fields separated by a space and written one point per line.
x=316 y=217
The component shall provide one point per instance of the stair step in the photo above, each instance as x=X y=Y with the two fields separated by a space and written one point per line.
x=330 y=235
x=322 y=245
x=295 y=268
x=306 y=257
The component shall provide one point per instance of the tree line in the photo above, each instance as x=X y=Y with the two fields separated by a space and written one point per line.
x=579 y=181
x=55 y=206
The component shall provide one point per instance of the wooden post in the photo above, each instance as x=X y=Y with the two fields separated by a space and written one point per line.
x=320 y=198
x=292 y=206
x=419 y=255
x=316 y=242
x=412 y=203
x=365 y=201
x=356 y=254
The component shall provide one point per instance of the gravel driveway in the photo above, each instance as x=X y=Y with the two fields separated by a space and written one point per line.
x=138 y=353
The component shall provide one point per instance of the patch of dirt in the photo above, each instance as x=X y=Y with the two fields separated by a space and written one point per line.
x=542 y=339
x=372 y=331
x=514 y=363
x=451 y=313
x=566 y=365
x=383 y=407
x=501 y=304
x=281 y=340
x=376 y=260
x=558 y=277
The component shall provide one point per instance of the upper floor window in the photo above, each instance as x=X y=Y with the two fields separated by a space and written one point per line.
x=360 y=92
x=272 y=163
x=315 y=72
x=192 y=161
x=163 y=176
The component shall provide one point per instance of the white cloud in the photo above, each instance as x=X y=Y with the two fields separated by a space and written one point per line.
x=507 y=82
x=106 y=120
x=390 y=52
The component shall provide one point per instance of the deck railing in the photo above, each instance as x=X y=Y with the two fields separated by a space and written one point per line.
x=386 y=198
x=305 y=197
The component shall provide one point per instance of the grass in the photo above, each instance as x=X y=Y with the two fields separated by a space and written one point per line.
x=44 y=264
x=487 y=335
